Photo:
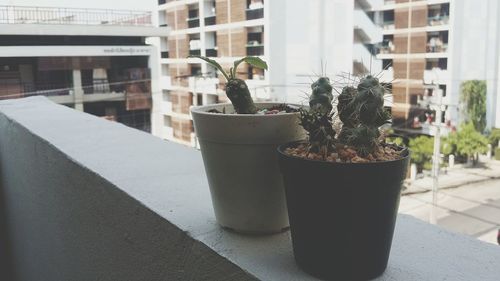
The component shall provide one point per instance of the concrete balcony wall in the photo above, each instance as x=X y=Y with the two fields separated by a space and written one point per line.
x=362 y=56
x=436 y=75
x=366 y=28
x=203 y=85
x=89 y=199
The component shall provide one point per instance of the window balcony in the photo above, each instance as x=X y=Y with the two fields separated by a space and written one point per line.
x=193 y=22
x=164 y=55
x=210 y=20
x=255 y=50
x=138 y=198
x=70 y=16
x=438 y=20
x=253 y=14
x=196 y=52
x=212 y=52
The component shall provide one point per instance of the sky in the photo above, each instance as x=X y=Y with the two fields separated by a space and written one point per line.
x=99 y=4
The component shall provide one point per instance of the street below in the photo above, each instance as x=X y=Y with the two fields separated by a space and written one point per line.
x=472 y=209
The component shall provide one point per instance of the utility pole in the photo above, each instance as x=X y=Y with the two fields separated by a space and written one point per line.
x=437 y=151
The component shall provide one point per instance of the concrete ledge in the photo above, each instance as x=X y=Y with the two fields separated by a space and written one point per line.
x=89 y=199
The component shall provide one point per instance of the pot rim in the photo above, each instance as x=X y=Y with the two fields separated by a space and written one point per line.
x=281 y=150
x=202 y=110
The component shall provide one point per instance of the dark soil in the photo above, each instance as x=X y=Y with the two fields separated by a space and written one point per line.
x=270 y=110
x=347 y=154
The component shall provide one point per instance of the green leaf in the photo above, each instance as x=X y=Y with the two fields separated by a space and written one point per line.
x=253 y=61
x=212 y=63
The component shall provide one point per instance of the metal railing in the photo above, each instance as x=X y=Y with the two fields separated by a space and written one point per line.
x=76 y=16
x=253 y=14
x=255 y=50
x=210 y=20
x=9 y=90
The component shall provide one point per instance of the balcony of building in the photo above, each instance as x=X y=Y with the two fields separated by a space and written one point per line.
x=193 y=19
x=73 y=16
x=203 y=85
x=365 y=59
x=438 y=14
x=255 y=9
x=194 y=44
x=84 y=198
x=210 y=15
x=211 y=44
x=437 y=42
x=387 y=45
x=436 y=75
x=255 y=41
x=365 y=29
x=387 y=19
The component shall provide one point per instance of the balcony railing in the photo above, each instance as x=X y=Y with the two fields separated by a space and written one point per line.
x=164 y=55
x=438 y=20
x=9 y=90
x=437 y=48
x=210 y=20
x=76 y=16
x=195 y=52
x=389 y=24
x=211 y=52
x=255 y=50
x=253 y=14
x=194 y=22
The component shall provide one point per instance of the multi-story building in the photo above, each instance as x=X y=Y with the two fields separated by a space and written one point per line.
x=94 y=60
x=299 y=40
x=430 y=47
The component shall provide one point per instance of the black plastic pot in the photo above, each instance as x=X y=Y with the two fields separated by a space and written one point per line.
x=342 y=215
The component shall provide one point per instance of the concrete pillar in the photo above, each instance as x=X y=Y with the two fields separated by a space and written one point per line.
x=451 y=161
x=154 y=65
x=488 y=153
x=413 y=171
x=77 y=89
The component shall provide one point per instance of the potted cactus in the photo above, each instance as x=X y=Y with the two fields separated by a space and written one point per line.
x=343 y=188
x=238 y=141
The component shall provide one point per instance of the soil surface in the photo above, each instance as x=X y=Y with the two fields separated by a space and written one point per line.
x=347 y=154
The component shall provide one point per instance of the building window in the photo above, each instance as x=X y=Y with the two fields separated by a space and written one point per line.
x=255 y=9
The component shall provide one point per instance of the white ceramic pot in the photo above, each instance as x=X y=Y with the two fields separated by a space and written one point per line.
x=241 y=163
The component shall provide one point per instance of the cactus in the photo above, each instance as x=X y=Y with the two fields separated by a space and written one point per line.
x=236 y=89
x=317 y=121
x=362 y=113
x=361 y=110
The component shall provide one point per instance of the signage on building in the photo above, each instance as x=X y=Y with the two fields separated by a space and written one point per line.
x=130 y=51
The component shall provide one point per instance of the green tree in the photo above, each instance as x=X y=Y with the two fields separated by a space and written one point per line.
x=494 y=137
x=469 y=141
x=421 y=151
x=473 y=95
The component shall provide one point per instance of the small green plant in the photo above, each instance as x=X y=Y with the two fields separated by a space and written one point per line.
x=236 y=89
x=361 y=110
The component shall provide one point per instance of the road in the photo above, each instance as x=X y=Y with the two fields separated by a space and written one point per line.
x=472 y=209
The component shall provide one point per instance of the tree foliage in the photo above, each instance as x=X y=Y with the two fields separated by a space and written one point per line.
x=469 y=141
x=494 y=137
x=473 y=95
x=421 y=149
